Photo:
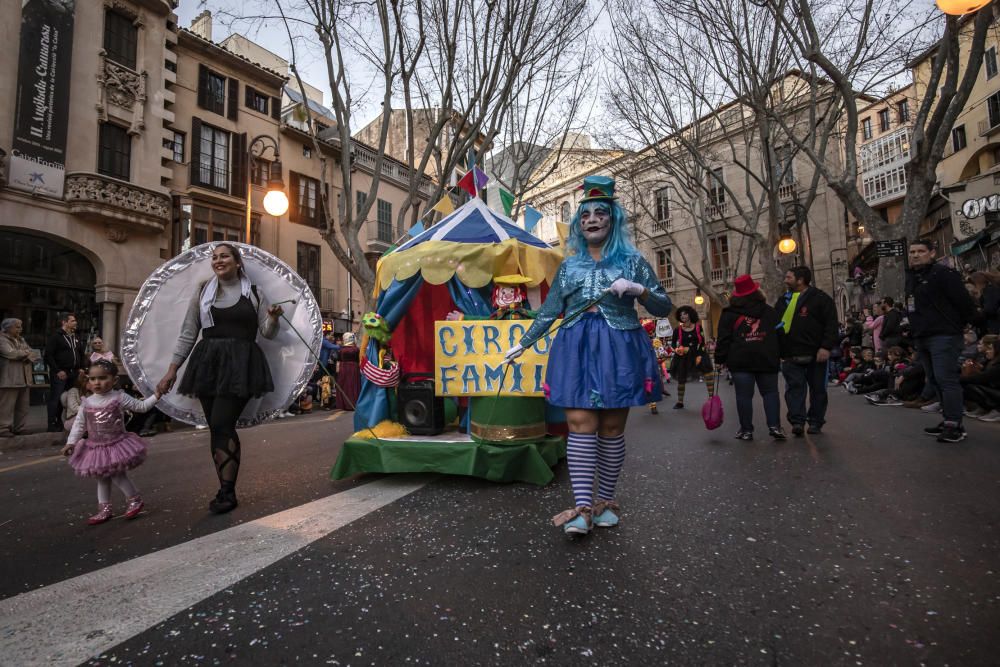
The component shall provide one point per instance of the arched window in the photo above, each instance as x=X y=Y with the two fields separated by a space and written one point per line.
x=566 y=213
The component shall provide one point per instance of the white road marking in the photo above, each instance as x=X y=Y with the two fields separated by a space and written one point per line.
x=76 y=619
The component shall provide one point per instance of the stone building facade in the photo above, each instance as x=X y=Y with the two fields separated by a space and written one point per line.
x=160 y=123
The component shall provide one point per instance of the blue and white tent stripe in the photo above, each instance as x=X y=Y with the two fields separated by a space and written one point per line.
x=475 y=222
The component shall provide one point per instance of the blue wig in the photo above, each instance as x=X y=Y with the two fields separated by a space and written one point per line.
x=618 y=246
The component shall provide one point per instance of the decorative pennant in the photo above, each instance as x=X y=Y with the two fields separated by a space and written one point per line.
x=507 y=199
x=531 y=217
x=467 y=183
x=444 y=206
x=418 y=228
x=481 y=178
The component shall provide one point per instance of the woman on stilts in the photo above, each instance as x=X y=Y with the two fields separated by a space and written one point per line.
x=691 y=359
x=600 y=363
x=226 y=368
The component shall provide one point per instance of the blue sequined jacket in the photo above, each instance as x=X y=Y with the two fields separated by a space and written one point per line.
x=580 y=280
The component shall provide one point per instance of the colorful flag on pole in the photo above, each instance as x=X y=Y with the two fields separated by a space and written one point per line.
x=471 y=156
x=507 y=199
x=417 y=229
x=531 y=217
x=444 y=206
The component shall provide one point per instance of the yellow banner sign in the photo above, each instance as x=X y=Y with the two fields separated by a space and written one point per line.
x=468 y=359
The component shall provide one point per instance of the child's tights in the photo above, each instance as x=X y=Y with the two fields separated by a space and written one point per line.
x=120 y=480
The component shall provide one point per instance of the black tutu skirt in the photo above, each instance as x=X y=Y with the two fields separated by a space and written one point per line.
x=685 y=368
x=226 y=367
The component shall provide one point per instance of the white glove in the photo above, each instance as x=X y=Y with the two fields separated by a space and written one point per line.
x=623 y=287
x=454 y=316
x=513 y=353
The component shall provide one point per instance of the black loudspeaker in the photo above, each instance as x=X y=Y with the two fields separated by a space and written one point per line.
x=420 y=411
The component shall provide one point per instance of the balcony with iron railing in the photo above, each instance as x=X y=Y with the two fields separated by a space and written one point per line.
x=722 y=275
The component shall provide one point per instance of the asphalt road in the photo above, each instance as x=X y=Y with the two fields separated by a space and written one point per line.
x=868 y=544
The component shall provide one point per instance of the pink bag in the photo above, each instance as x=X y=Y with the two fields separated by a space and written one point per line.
x=711 y=412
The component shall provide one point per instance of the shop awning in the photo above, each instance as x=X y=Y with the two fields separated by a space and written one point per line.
x=967 y=244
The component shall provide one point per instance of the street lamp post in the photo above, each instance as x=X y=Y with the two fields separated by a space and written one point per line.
x=275 y=201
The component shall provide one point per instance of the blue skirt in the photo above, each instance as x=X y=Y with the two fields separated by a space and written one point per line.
x=594 y=367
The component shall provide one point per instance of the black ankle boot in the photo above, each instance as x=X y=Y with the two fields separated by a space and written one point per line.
x=225 y=500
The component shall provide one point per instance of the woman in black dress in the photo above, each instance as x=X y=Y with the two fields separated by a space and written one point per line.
x=226 y=368
x=691 y=359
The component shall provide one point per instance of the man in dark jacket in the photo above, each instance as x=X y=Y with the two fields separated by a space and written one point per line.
x=892 y=324
x=938 y=307
x=808 y=331
x=65 y=358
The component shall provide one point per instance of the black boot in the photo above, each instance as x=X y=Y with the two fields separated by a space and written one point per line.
x=225 y=499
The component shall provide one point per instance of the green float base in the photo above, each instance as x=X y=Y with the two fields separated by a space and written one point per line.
x=453 y=454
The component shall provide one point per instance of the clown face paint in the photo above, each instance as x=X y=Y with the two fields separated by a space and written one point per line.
x=595 y=222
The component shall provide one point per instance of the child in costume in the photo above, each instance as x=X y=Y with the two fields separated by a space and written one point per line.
x=601 y=362
x=691 y=358
x=109 y=450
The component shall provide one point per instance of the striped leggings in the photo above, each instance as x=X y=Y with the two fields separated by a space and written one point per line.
x=587 y=454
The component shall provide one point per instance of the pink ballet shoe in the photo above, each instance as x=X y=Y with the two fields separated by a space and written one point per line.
x=103 y=514
x=135 y=506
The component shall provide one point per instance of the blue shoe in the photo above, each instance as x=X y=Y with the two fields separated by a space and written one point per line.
x=575 y=521
x=606 y=514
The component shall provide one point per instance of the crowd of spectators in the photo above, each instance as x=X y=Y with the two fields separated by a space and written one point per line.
x=938 y=352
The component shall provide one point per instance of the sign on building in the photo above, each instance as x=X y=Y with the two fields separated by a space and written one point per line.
x=969 y=216
x=468 y=359
x=41 y=111
x=891 y=248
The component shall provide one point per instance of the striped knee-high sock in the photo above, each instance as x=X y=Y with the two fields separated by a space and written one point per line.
x=610 y=459
x=681 y=388
x=581 y=456
x=710 y=383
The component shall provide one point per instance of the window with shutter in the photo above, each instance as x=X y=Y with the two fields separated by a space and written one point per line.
x=120 y=38
x=384 y=220
x=195 y=147
x=234 y=96
x=238 y=184
x=115 y=152
x=254 y=99
x=212 y=157
x=275 y=108
x=211 y=91
x=308 y=261
x=305 y=194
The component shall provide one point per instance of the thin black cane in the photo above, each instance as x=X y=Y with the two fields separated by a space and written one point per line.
x=322 y=367
x=563 y=323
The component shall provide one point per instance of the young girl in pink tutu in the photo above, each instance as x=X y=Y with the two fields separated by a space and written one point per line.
x=109 y=450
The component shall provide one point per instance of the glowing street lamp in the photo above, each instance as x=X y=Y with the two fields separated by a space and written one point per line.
x=698 y=298
x=960 y=7
x=786 y=245
x=276 y=201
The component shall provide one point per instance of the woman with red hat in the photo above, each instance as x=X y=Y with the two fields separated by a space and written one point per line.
x=748 y=345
